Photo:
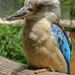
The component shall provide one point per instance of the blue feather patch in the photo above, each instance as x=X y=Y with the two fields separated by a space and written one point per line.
x=63 y=43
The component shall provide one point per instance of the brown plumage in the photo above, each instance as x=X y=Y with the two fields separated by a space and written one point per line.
x=39 y=43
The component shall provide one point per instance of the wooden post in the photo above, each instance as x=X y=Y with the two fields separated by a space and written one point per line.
x=9 y=67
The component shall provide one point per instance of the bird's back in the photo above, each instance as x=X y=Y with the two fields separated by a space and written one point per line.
x=64 y=43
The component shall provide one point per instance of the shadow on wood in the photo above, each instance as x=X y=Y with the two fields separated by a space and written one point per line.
x=9 y=67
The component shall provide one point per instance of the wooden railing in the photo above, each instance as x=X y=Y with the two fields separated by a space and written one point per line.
x=65 y=23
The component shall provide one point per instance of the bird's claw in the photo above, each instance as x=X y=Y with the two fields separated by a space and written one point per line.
x=41 y=70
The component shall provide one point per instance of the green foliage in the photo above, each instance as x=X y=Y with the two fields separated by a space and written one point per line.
x=68 y=28
x=21 y=1
x=11 y=43
x=69 y=4
x=65 y=4
x=73 y=40
x=73 y=46
x=10 y=11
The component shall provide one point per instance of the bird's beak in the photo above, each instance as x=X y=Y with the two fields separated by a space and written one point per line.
x=20 y=14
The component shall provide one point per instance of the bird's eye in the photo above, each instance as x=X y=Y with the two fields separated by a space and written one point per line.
x=40 y=6
x=30 y=9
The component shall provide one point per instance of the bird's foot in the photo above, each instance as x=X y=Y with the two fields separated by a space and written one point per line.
x=29 y=67
x=26 y=67
x=41 y=70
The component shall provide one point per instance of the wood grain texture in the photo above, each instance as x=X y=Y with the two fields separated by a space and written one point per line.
x=9 y=67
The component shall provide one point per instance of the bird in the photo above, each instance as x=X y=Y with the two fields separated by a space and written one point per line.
x=46 y=45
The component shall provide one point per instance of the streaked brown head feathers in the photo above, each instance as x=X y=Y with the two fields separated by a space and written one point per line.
x=37 y=8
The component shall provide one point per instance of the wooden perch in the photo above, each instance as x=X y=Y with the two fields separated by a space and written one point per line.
x=9 y=67
x=65 y=23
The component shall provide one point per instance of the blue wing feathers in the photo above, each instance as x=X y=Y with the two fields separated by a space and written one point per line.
x=64 y=43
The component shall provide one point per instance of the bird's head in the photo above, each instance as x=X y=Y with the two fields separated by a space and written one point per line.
x=37 y=8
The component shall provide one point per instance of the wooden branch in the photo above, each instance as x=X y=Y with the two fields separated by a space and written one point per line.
x=9 y=67
x=65 y=23
x=3 y=21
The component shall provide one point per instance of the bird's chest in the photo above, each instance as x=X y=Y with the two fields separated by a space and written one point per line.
x=36 y=34
x=35 y=40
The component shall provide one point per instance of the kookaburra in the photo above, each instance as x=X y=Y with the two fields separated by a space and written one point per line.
x=46 y=45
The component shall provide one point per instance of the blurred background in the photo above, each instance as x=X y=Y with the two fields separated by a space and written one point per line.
x=7 y=7
x=11 y=34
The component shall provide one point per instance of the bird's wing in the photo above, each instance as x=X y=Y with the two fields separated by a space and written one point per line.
x=64 y=43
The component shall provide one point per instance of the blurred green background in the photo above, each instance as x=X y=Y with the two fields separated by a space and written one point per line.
x=11 y=35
